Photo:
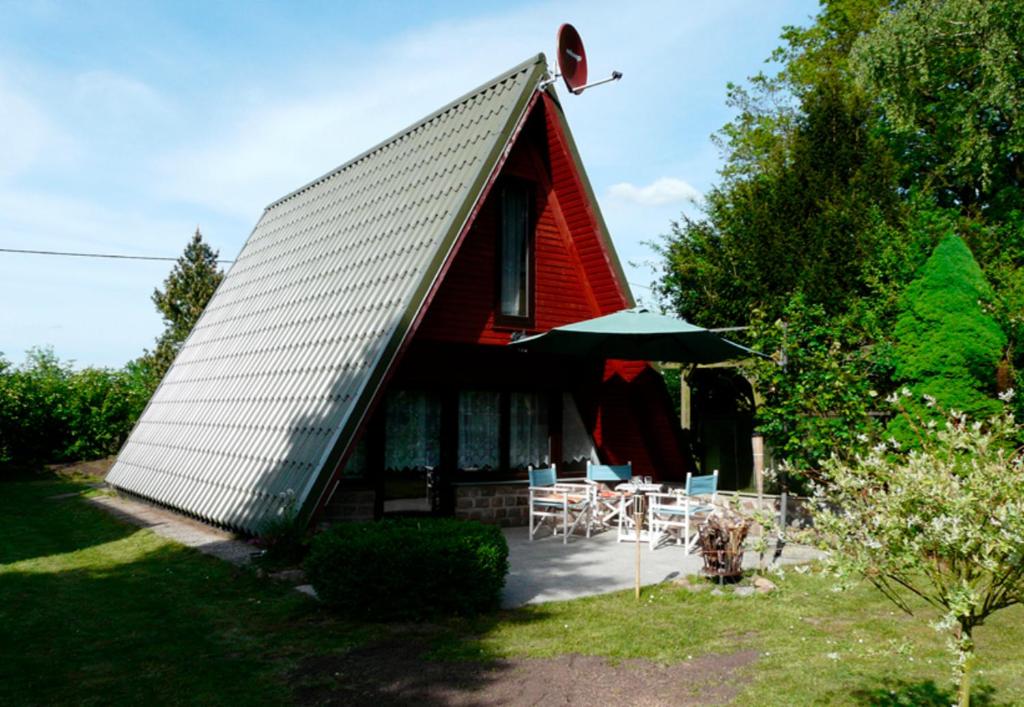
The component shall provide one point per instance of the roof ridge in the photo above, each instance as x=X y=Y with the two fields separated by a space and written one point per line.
x=522 y=66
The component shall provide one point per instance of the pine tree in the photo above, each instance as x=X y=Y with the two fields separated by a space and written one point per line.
x=187 y=289
x=947 y=344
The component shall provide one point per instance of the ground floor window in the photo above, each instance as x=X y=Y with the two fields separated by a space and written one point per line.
x=528 y=430
x=356 y=466
x=479 y=429
x=473 y=430
x=412 y=430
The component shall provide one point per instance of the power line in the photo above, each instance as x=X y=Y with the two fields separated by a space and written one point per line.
x=93 y=255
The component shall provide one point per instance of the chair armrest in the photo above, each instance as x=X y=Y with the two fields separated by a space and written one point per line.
x=655 y=496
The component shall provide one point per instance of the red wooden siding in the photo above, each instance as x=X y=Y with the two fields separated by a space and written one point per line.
x=627 y=409
x=566 y=288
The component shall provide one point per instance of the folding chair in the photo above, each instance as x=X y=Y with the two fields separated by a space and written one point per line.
x=558 y=501
x=606 y=504
x=670 y=513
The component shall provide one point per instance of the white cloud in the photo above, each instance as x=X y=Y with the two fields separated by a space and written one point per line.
x=667 y=190
x=114 y=93
x=28 y=137
x=281 y=137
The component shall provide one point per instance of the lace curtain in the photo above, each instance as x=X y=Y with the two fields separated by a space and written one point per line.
x=479 y=421
x=576 y=442
x=528 y=436
x=412 y=430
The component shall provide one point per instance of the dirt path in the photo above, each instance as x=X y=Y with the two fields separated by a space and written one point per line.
x=396 y=673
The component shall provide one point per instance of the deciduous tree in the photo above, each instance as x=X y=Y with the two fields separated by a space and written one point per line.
x=944 y=523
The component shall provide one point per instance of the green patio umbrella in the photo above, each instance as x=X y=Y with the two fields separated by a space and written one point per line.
x=636 y=335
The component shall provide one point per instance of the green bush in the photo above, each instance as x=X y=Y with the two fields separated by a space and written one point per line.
x=51 y=412
x=947 y=343
x=409 y=568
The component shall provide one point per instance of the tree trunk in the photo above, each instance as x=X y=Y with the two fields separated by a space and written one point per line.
x=965 y=653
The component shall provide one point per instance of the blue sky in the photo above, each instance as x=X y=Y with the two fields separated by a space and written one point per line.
x=124 y=125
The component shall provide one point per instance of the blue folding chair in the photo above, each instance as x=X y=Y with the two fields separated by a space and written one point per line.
x=607 y=505
x=559 y=502
x=669 y=514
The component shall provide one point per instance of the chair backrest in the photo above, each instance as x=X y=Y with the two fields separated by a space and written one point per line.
x=702 y=485
x=608 y=472
x=542 y=477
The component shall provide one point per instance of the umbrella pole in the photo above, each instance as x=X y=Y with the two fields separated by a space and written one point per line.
x=638 y=518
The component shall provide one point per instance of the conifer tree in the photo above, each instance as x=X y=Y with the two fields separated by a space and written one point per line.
x=947 y=343
x=187 y=289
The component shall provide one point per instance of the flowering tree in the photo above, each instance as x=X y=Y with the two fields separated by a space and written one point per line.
x=944 y=522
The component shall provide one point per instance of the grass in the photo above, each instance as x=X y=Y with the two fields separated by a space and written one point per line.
x=93 y=611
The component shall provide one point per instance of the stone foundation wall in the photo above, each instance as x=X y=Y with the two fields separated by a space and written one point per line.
x=501 y=504
x=798 y=508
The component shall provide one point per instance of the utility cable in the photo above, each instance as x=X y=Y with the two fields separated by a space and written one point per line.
x=93 y=255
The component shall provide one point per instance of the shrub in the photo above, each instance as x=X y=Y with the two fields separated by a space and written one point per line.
x=948 y=345
x=51 y=412
x=284 y=537
x=409 y=568
x=944 y=522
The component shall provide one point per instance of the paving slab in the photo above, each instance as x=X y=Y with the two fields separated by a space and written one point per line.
x=173 y=526
x=540 y=571
x=547 y=570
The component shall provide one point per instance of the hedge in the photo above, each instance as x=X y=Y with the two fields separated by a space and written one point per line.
x=409 y=568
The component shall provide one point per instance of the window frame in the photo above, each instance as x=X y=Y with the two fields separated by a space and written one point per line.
x=500 y=318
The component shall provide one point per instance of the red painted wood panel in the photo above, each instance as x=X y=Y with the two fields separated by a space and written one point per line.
x=627 y=409
x=464 y=308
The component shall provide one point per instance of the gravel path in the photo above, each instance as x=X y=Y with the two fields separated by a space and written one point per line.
x=176 y=527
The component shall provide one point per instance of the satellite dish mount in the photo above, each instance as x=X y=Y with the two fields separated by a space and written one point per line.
x=572 y=62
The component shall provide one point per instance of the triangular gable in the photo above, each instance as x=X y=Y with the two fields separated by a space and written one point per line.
x=272 y=383
x=461 y=298
x=577 y=275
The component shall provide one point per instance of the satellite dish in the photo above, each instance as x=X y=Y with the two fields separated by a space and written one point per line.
x=572 y=58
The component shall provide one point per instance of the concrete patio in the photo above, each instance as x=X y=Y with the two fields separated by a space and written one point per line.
x=547 y=570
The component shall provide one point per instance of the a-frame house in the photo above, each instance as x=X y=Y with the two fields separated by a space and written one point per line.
x=357 y=347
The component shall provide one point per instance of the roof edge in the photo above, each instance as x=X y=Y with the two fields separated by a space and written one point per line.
x=458 y=222
x=588 y=189
x=538 y=58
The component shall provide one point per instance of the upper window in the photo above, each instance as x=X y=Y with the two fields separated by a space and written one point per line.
x=516 y=258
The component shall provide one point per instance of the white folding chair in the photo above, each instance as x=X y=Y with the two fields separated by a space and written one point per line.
x=559 y=502
x=669 y=514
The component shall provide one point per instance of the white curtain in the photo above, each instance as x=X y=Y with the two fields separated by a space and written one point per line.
x=577 y=444
x=412 y=430
x=528 y=436
x=479 y=421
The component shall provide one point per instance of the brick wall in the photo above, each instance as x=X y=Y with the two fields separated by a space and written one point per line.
x=504 y=505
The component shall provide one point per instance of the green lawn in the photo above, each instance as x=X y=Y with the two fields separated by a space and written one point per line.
x=94 y=611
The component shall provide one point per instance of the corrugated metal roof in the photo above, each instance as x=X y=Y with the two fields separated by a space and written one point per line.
x=268 y=389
